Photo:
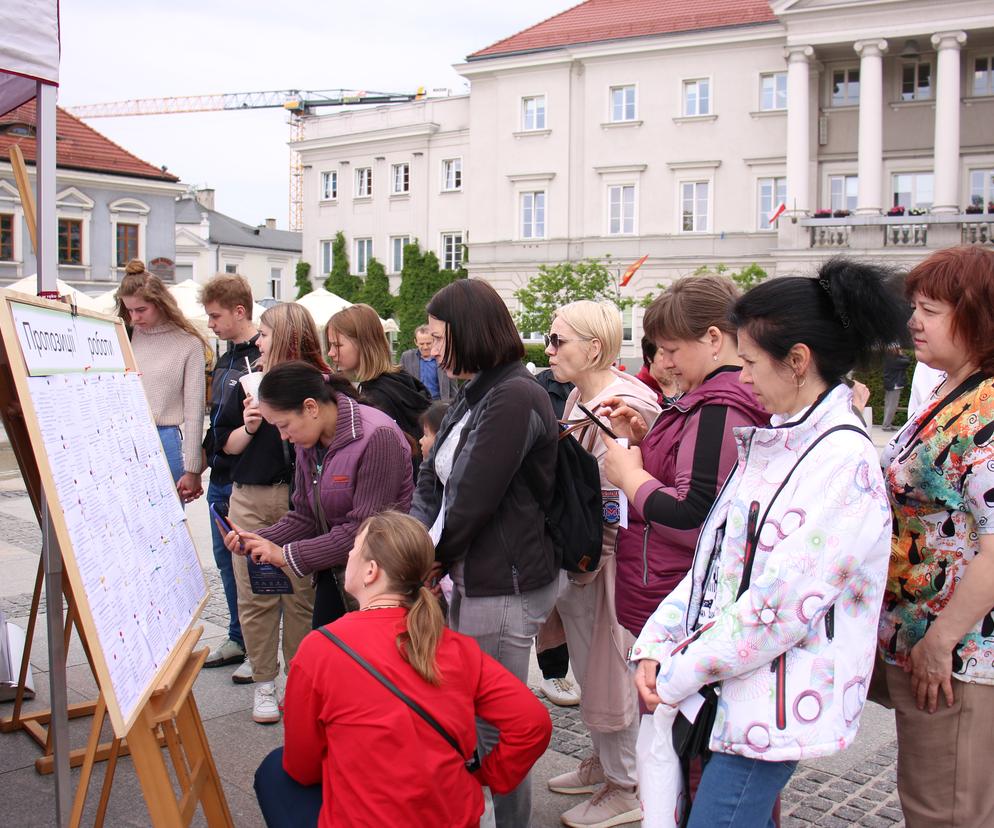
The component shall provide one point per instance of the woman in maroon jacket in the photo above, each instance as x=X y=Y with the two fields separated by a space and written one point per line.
x=673 y=475
x=357 y=755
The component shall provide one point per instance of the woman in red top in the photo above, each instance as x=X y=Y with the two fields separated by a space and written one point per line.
x=377 y=762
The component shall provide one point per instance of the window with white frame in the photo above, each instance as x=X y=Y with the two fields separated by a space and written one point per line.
x=452 y=174
x=400 y=175
x=623 y=103
x=981 y=188
x=451 y=251
x=620 y=209
x=983 y=75
x=845 y=86
x=275 y=282
x=326 y=257
x=230 y=268
x=70 y=241
x=397 y=245
x=843 y=192
x=363 y=182
x=533 y=112
x=696 y=97
x=363 y=253
x=126 y=242
x=695 y=203
x=6 y=237
x=329 y=185
x=772 y=193
x=913 y=191
x=772 y=91
x=628 y=325
x=916 y=81
x=533 y=215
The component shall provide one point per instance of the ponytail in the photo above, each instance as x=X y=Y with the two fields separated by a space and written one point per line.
x=402 y=548
x=424 y=629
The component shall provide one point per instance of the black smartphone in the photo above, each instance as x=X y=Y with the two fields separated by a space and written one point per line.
x=593 y=418
x=221 y=520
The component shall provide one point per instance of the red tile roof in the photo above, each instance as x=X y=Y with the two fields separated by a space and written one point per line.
x=77 y=146
x=599 y=20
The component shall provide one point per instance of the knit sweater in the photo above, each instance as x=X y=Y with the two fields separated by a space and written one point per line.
x=173 y=366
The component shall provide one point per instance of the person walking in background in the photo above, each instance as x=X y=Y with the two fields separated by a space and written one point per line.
x=360 y=349
x=582 y=344
x=227 y=301
x=261 y=473
x=777 y=612
x=936 y=634
x=355 y=753
x=484 y=489
x=896 y=364
x=420 y=364
x=172 y=357
x=656 y=375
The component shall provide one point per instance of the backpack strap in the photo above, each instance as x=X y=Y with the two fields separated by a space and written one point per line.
x=471 y=764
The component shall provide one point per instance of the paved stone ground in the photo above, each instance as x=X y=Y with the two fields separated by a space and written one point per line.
x=826 y=793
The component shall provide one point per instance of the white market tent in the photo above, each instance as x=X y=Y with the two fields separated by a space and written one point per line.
x=323 y=304
x=29 y=285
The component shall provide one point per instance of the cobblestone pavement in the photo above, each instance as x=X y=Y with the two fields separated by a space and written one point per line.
x=866 y=796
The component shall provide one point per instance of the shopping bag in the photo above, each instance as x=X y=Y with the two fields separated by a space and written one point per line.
x=660 y=778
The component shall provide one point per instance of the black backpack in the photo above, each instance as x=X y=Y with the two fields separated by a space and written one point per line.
x=575 y=514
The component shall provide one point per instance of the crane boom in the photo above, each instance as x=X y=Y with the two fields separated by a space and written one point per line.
x=295 y=101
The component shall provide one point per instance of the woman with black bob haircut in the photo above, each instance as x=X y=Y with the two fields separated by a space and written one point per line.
x=778 y=612
x=484 y=487
x=353 y=462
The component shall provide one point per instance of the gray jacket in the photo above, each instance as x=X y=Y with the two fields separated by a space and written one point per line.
x=410 y=361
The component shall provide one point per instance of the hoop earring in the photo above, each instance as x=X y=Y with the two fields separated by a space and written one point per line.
x=800 y=384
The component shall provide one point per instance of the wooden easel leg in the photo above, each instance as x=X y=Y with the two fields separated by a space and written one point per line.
x=194 y=737
x=90 y=758
x=151 y=769
x=115 y=747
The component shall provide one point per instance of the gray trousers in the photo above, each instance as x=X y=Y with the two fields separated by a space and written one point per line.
x=504 y=626
x=891 y=399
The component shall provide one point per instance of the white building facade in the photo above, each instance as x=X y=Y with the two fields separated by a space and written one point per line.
x=680 y=144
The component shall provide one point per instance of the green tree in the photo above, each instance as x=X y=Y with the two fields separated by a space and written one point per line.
x=420 y=279
x=375 y=290
x=340 y=281
x=748 y=277
x=557 y=285
x=303 y=282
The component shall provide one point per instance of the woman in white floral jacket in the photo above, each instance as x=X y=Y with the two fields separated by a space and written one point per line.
x=781 y=605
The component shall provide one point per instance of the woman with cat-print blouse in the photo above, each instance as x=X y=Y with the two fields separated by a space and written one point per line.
x=937 y=623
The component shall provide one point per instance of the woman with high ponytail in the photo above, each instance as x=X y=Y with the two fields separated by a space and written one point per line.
x=354 y=752
x=776 y=620
x=173 y=359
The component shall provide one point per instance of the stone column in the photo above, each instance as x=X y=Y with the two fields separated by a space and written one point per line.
x=947 y=111
x=871 y=125
x=798 y=129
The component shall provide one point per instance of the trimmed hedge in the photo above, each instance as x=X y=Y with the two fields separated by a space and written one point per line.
x=536 y=354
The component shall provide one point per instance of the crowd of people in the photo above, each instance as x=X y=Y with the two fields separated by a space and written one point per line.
x=763 y=569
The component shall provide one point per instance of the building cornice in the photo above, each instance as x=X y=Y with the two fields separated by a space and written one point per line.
x=106 y=180
x=373 y=136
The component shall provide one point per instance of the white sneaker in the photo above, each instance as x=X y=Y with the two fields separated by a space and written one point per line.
x=560 y=691
x=265 y=708
x=243 y=675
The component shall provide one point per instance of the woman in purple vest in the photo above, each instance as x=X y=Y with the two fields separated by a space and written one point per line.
x=673 y=474
x=352 y=462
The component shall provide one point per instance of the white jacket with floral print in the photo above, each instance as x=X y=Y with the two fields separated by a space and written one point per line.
x=794 y=654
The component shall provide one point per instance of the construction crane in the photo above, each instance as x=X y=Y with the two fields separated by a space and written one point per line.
x=297 y=102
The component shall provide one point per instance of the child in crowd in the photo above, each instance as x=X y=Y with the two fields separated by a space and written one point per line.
x=430 y=422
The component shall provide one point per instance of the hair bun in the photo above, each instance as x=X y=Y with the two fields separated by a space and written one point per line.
x=134 y=267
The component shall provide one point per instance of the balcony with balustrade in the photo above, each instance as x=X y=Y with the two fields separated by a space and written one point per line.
x=868 y=233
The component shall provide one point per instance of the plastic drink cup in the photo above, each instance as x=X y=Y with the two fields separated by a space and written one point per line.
x=250 y=382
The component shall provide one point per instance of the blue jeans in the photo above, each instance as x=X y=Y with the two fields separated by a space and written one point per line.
x=736 y=792
x=218 y=496
x=285 y=803
x=504 y=626
x=172 y=445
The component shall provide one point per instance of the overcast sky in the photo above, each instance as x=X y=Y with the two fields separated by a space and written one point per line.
x=158 y=48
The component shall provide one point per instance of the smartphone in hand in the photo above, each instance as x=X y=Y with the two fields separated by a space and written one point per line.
x=223 y=524
x=593 y=418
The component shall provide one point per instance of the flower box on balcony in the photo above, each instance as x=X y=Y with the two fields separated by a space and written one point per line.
x=895 y=211
x=974 y=209
x=840 y=214
x=918 y=211
x=822 y=214
x=990 y=206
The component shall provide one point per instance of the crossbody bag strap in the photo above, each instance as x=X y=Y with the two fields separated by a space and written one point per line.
x=471 y=764
x=756 y=526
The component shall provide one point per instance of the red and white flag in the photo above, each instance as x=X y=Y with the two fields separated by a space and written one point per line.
x=777 y=213
x=631 y=270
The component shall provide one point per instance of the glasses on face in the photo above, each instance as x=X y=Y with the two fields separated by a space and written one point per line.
x=555 y=341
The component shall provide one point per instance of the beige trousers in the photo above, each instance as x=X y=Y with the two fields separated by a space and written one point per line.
x=944 y=758
x=252 y=508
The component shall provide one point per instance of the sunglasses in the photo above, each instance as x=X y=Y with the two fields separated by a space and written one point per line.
x=555 y=341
